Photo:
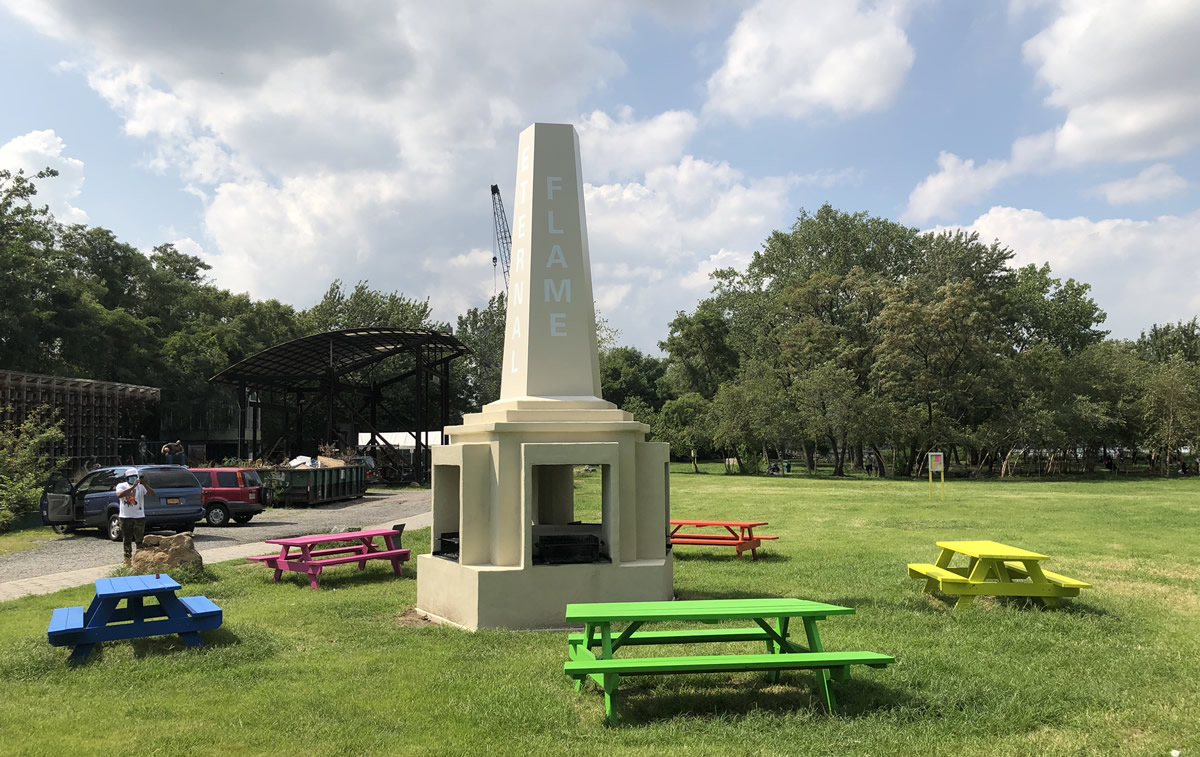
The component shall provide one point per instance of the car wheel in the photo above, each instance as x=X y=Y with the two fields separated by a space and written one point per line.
x=217 y=515
x=60 y=529
x=242 y=518
x=114 y=527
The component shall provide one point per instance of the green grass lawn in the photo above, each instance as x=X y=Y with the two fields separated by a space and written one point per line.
x=26 y=538
x=343 y=670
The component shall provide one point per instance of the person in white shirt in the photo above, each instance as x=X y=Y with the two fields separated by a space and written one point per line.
x=131 y=494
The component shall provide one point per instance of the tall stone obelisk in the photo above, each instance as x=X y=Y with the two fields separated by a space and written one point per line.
x=508 y=549
x=550 y=345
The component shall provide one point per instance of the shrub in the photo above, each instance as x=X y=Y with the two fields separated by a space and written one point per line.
x=25 y=462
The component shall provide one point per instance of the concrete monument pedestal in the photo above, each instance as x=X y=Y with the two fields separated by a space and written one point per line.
x=513 y=553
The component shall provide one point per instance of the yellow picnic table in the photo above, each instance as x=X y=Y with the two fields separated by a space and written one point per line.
x=996 y=570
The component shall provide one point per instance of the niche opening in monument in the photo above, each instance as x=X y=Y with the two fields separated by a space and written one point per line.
x=570 y=514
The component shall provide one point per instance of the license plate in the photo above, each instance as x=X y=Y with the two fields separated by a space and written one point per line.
x=172 y=500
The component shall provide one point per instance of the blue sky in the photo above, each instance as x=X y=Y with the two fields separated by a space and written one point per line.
x=358 y=139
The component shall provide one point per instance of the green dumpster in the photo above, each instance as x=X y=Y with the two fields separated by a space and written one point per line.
x=302 y=487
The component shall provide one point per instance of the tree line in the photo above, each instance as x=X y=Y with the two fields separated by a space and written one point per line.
x=856 y=338
x=848 y=337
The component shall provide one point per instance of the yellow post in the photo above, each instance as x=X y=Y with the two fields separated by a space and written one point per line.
x=943 y=485
x=931 y=483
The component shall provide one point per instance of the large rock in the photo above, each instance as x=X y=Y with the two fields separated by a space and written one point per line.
x=160 y=554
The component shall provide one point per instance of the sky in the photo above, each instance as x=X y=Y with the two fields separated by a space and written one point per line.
x=292 y=142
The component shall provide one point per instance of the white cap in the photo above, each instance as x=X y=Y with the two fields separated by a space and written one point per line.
x=130 y=472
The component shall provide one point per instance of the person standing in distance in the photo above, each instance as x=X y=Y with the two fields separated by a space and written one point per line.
x=131 y=493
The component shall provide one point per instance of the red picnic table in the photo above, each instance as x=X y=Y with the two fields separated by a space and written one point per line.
x=736 y=533
x=313 y=561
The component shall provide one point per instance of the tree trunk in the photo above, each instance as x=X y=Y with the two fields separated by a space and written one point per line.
x=857 y=451
x=810 y=455
x=839 y=459
x=1004 y=467
x=695 y=463
x=837 y=456
x=879 y=461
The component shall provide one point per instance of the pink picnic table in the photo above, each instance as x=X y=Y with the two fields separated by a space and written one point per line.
x=312 y=561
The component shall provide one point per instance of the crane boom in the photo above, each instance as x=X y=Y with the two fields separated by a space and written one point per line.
x=502 y=234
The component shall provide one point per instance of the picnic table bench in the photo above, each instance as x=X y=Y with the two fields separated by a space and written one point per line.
x=738 y=534
x=993 y=569
x=591 y=652
x=312 y=561
x=103 y=620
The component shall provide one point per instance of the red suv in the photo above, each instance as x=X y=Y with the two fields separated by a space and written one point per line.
x=235 y=493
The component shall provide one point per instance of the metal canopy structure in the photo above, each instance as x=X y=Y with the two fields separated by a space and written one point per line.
x=330 y=365
x=97 y=416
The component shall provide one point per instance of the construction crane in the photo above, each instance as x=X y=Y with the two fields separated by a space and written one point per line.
x=502 y=236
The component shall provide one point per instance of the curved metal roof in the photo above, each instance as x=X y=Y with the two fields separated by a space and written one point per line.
x=305 y=362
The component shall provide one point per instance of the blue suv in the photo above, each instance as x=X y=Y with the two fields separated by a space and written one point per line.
x=177 y=503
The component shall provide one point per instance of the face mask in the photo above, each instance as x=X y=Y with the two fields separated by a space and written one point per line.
x=132 y=479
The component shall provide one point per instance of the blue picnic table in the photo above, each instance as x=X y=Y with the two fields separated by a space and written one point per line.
x=105 y=620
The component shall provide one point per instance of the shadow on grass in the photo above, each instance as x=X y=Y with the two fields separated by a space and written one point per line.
x=928 y=603
x=684 y=594
x=155 y=646
x=943 y=604
x=344 y=579
x=647 y=704
x=728 y=555
x=1068 y=606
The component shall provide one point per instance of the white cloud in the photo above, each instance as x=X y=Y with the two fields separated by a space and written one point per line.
x=475 y=259
x=1153 y=183
x=664 y=234
x=701 y=277
x=623 y=148
x=1125 y=72
x=358 y=139
x=44 y=149
x=959 y=182
x=799 y=57
x=1141 y=272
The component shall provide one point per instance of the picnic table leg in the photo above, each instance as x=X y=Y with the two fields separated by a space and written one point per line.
x=97 y=616
x=979 y=573
x=368 y=546
x=397 y=563
x=1038 y=577
x=314 y=572
x=943 y=561
x=589 y=633
x=611 y=681
x=177 y=612
x=192 y=639
x=283 y=556
x=781 y=627
x=136 y=613
x=814 y=644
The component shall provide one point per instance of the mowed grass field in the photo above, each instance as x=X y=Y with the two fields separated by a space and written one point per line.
x=345 y=671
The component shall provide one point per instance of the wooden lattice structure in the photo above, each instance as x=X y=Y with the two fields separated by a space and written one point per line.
x=100 y=418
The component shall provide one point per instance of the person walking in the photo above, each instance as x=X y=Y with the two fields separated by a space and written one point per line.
x=131 y=494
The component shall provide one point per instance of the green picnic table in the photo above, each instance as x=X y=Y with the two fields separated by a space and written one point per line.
x=591 y=652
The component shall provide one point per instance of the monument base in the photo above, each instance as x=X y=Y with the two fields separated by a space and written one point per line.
x=533 y=597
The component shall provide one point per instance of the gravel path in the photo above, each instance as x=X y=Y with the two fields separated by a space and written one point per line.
x=87 y=549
